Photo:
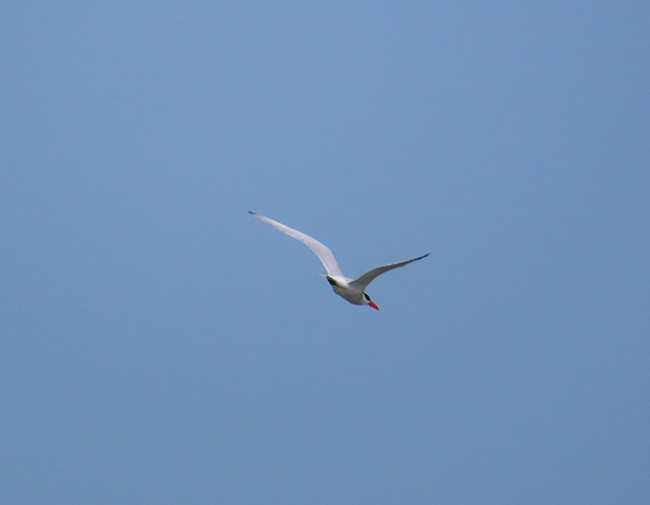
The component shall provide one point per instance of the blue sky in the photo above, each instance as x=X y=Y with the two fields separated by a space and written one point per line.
x=159 y=345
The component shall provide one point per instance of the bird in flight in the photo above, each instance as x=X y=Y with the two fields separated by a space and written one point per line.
x=353 y=290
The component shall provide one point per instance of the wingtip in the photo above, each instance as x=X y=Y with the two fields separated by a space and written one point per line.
x=251 y=212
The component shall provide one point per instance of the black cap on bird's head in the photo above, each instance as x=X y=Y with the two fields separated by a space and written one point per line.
x=370 y=302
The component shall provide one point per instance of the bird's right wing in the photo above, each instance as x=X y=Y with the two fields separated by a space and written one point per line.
x=324 y=254
x=366 y=278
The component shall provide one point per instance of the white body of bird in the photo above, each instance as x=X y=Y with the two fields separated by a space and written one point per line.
x=352 y=290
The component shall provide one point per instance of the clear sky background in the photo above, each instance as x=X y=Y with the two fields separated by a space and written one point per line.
x=161 y=346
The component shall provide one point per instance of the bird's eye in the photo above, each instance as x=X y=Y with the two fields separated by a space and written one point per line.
x=366 y=296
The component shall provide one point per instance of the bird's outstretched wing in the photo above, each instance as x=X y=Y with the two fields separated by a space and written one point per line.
x=367 y=278
x=324 y=254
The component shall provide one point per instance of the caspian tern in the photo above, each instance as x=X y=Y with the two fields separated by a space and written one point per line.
x=353 y=290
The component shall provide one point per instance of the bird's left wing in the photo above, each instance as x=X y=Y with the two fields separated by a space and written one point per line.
x=322 y=251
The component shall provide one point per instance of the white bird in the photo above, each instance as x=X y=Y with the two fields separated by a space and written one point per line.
x=353 y=290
